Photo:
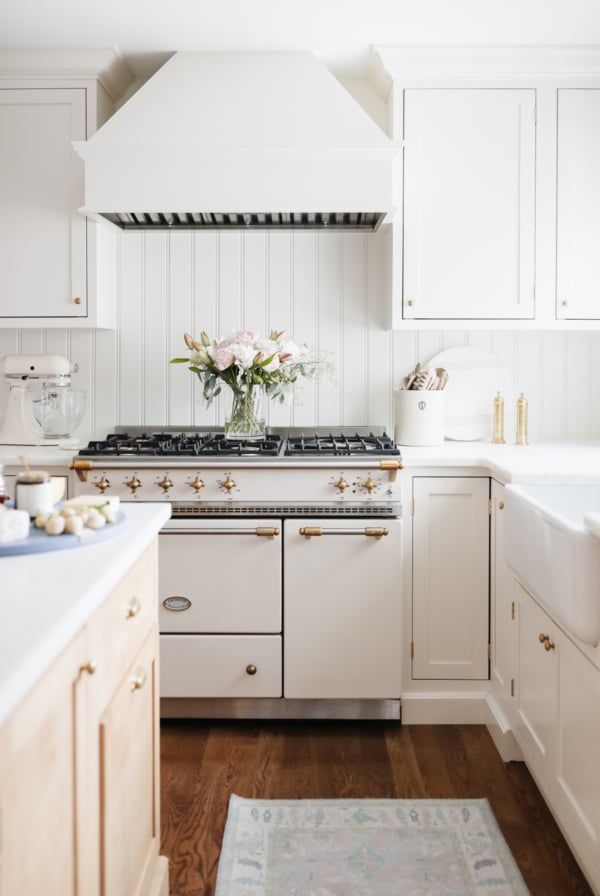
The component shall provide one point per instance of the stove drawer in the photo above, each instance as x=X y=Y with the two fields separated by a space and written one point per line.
x=220 y=666
x=228 y=576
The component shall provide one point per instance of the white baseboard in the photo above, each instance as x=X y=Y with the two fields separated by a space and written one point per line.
x=446 y=708
x=501 y=732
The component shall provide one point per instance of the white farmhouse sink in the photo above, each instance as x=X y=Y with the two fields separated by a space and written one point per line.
x=549 y=545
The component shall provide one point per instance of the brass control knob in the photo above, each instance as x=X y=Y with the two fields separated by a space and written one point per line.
x=102 y=484
x=165 y=484
x=251 y=669
x=197 y=485
x=134 y=483
x=369 y=485
x=341 y=484
x=90 y=667
x=228 y=484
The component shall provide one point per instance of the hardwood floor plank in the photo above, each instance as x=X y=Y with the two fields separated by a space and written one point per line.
x=204 y=761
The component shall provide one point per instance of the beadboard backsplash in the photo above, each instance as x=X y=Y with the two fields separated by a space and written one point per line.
x=326 y=289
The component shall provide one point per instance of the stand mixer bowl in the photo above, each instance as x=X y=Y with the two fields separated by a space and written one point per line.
x=58 y=410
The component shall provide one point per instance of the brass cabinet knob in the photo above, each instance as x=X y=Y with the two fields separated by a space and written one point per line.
x=137 y=680
x=77 y=300
x=133 y=608
x=542 y=637
x=228 y=484
x=251 y=669
x=102 y=484
x=410 y=303
x=341 y=484
x=500 y=505
x=90 y=667
x=165 y=484
x=134 y=483
x=546 y=641
x=564 y=303
x=197 y=485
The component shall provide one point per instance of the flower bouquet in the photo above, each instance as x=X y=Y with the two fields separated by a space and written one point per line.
x=252 y=367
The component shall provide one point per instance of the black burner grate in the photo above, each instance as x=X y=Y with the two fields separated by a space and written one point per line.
x=180 y=445
x=344 y=445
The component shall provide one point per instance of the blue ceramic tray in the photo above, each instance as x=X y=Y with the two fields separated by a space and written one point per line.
x=39 y=541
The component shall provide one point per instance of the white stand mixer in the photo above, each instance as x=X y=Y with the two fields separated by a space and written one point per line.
x=21 y=372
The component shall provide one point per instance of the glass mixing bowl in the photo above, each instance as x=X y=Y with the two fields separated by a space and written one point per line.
x=59 y=410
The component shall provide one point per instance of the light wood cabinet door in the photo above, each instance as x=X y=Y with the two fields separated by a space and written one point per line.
x=38 y=756
x=578 y=205
x=128 y=738
x=43 y=236
x=450 y=600
x=469 y=204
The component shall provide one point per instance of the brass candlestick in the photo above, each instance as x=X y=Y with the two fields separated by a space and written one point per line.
x=521 y=421
x=498 y=433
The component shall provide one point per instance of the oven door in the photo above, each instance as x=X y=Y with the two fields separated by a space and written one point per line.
x=343 y=609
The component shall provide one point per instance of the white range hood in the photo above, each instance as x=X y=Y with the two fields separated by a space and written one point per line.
x=266 y=139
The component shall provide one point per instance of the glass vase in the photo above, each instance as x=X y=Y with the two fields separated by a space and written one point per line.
x=246 y=417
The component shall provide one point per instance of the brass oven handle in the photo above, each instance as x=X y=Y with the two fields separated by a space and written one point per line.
x=265 y=531
x=370 y=531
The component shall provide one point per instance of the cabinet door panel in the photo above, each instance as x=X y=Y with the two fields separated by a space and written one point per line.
x=129 y=820
x=469 y=194
x=578 y=204
x=450 y=577
x=42 y=234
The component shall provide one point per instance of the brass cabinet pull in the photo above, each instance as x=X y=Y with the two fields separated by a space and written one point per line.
x=546 y=641
x=137 y=680
x=251 y=669
x=370 y=531
x=133 y=608
x=269 y=531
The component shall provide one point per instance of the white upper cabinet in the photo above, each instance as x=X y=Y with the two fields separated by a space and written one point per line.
x=469 y=204
x=578 y=205
x=499 y=199
x=58 y=268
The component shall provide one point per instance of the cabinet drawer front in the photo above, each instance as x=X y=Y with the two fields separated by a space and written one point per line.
x=232 y=581
x=120 y=625
x=220 y=666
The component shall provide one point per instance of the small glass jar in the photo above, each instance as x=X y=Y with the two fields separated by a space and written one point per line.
x=33 y=492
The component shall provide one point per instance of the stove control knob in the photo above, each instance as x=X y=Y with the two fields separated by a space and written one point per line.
x=197 y=485
x=341 y=484
x=370 y=485
x=134 y=483
x=165 y=484
x=228 y=484
x=102 y=484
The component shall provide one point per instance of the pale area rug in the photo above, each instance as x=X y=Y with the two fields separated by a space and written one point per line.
x=365 y=848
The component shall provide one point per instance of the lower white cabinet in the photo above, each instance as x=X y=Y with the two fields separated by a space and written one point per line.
x=79 y=794
x=558 y=725
x=451 y=523
x=503 y=656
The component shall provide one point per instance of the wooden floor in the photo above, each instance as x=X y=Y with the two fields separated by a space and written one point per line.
x=203 y=762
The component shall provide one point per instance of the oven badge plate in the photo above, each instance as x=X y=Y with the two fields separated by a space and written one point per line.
x=177 y=602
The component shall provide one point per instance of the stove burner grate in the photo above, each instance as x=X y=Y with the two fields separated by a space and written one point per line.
x=341 y=445
x=179 y=446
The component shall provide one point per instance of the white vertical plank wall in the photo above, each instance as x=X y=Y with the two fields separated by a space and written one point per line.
x=326 y=289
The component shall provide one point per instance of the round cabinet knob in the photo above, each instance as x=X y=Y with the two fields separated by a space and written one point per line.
x=77 y=300
x=137 y=680
x=102 y=484
x=90 y=667
x=228 y=484
x=410 y=303
x=197 y=485
x=564 y=303
x=165 y=484
x=549 y=645
x=251 y=669
x=501 y=505
x=133 y=608
x=542 y=638
x=341 y=484
x=134 y=483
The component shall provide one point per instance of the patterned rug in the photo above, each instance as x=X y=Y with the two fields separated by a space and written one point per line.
x=365 y=848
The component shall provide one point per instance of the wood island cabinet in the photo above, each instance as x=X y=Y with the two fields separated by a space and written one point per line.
x=79 y=759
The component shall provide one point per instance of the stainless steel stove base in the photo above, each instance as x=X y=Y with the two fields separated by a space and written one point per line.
x=278 y=708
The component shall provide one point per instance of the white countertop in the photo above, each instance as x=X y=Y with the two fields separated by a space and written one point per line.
x=39 y=456
x=46 y=598
x=569 y=461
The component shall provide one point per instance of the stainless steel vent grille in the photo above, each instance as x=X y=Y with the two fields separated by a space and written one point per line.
x=368 y=221
x=181 y=510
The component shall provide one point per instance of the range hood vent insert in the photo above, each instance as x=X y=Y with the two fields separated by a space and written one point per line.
x=266 y=140
x=366 y=221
